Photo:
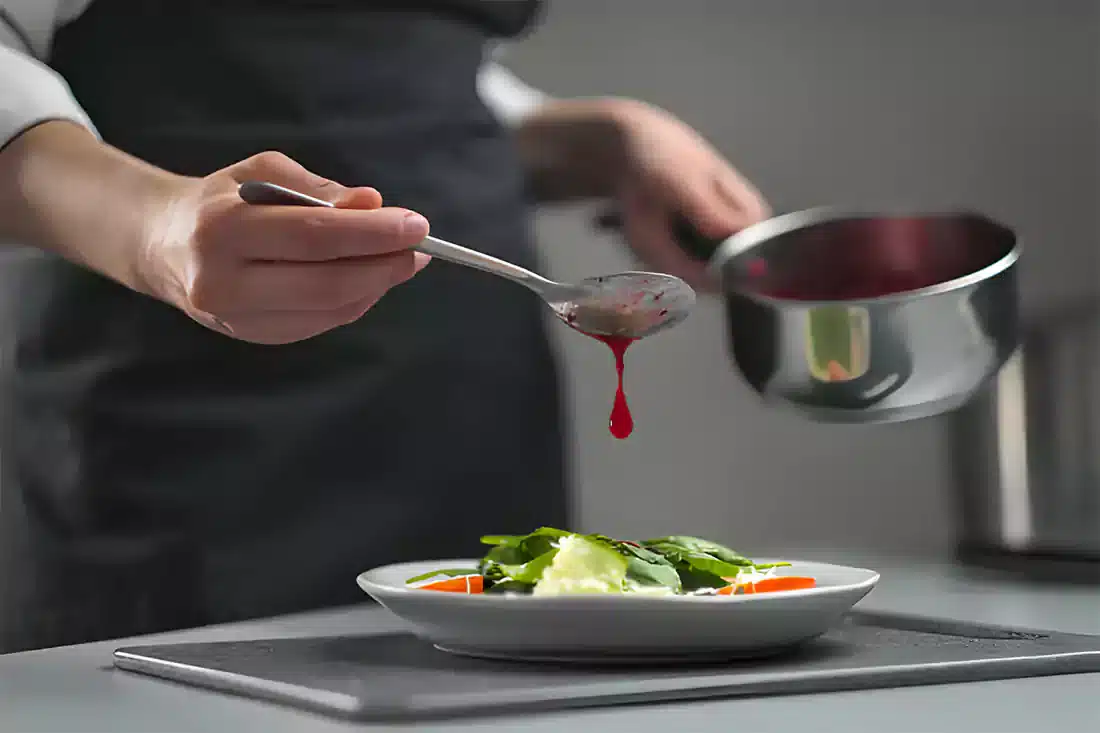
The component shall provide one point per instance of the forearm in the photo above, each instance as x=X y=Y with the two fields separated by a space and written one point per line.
x=567 y=145
x=63 y=190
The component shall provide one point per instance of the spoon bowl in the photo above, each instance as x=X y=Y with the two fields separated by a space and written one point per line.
x=627 y=304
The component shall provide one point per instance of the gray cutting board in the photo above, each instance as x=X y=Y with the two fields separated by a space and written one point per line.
x=396 y=677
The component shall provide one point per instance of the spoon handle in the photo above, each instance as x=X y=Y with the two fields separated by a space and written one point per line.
x=269 y=194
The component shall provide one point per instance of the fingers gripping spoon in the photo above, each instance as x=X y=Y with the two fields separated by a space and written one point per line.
x=626 y=306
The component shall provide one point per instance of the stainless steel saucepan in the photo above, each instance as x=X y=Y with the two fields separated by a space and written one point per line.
x=855 y=317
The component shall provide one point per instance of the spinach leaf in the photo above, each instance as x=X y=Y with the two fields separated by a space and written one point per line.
x=539 y=544
x=646 y=567
x=501 y=539
x=697 y=569
x=648 y=573
x=514 y=540
x=709 y=564
x=519 y=560
x=505 y=555
x=531 y=571
x=698 y=545
x=693 y=580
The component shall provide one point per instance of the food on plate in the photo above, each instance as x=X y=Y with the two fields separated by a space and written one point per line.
x=555 y=562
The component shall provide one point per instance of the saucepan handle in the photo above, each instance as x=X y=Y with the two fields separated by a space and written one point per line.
x=694 y=244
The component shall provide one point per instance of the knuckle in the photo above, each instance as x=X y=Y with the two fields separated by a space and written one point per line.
x=270 y=160
x=204 y=294
x=208 y=236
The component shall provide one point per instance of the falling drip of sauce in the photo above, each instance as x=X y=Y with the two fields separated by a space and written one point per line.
x=621 y=422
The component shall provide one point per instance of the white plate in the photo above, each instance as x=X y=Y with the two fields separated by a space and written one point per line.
x=616 y=627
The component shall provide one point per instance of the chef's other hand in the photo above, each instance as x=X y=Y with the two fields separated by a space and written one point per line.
x=652 y=164
x=669 y=171
x=278 y=274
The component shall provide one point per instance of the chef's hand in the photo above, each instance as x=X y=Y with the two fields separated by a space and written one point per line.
x=265 y=274
x=653 y=165
x=278 y=274
x=668 y=170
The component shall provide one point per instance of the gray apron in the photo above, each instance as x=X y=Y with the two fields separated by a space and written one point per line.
x=159 y=475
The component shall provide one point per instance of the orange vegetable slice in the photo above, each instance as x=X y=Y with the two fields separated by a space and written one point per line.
x=783 y=582
x=770 y=585
x=837 y=373
x=464 y=584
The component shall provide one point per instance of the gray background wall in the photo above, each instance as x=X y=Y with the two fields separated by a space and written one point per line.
x=991 y=104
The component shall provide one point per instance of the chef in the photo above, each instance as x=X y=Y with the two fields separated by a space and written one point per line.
x=212 y=411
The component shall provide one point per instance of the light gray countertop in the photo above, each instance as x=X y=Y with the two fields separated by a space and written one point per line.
x=76 y=689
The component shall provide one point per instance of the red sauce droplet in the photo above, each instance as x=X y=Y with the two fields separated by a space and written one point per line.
x=621 y=422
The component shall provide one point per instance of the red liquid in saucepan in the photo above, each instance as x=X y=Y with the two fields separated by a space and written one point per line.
x=823 y=284
x=872 y=258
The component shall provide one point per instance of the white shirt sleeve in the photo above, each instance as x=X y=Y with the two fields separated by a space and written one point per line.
x=508 y=96
x=30 y=91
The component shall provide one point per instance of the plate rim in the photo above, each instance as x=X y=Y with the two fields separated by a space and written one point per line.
x=370 y=587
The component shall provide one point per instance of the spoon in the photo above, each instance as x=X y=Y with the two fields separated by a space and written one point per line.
x=628 y=305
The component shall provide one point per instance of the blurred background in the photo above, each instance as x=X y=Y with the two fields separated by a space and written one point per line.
x=983 y=104
x=988 y=104
x=991 y=106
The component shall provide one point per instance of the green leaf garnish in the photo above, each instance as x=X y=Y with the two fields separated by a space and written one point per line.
x=658 y=574
x=706 y=547
x=681 y=563
x=530 y=572
x=501 y=539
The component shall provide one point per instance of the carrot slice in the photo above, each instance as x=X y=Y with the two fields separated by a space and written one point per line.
x=464 y=584
x=769 y=585
x=836 y=371
x=783 y=582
